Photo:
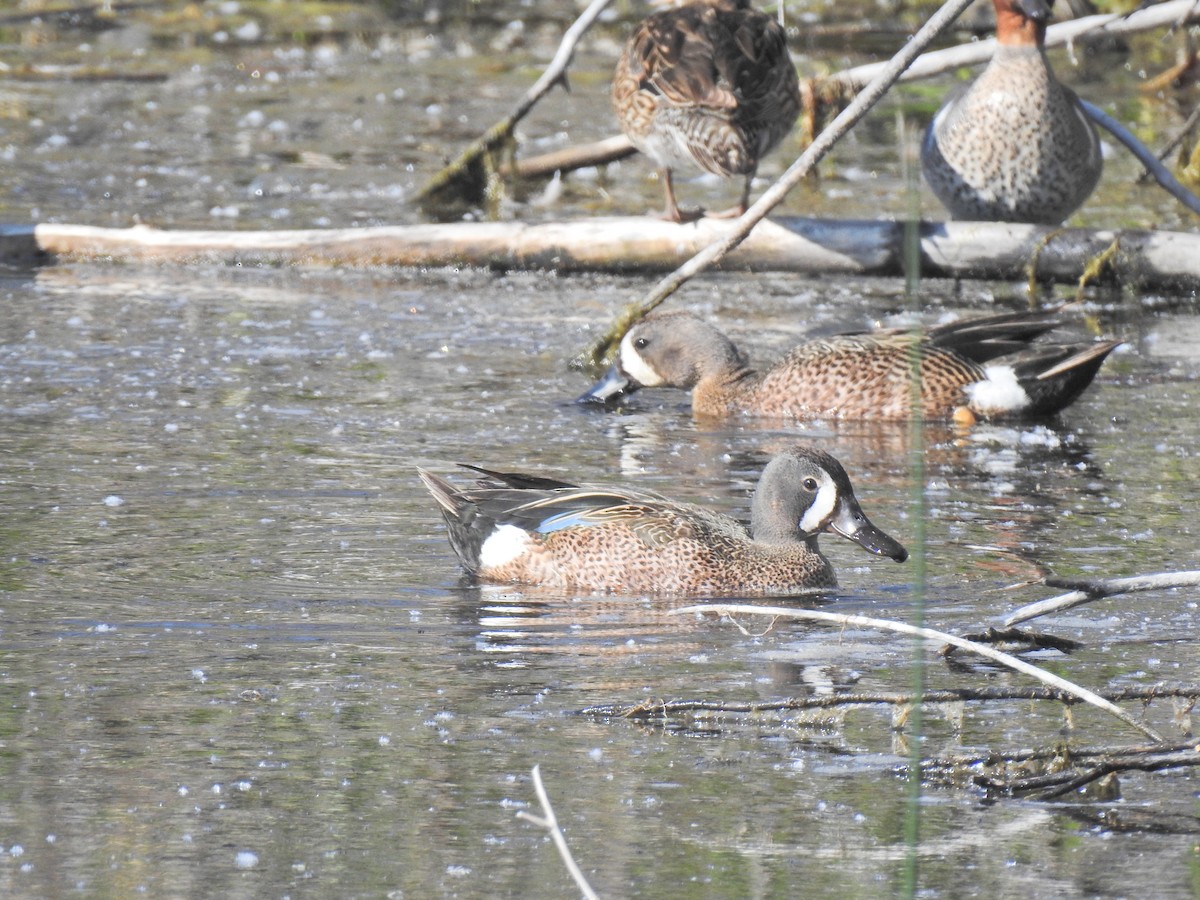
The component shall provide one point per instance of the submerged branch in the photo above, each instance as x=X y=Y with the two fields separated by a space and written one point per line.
x=1004 y=659
x=1053 y=784
x=1088 y=590
x=663 y=709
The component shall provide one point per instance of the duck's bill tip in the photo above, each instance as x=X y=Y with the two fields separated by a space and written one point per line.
x=608 y=390
x=873 y=540
x=852 y=524
x=880 y=543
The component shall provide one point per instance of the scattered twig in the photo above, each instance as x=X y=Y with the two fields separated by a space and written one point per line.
x=1082 y=693
x=550 y=822
x=797 y=171
x=1087 y=590
x=501 y=133
x=662 y=709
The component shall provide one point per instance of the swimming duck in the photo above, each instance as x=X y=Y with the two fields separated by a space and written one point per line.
x=1016 y=146
x=523 y=529
x=861 y=376
x=710 y=85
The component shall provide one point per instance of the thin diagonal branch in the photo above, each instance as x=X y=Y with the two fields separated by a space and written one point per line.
x=555 y=73
x=550 y=822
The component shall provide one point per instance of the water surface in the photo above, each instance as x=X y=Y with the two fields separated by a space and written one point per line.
x=235 y=655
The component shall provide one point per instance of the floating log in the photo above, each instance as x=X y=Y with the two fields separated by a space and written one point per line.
x=643 y=245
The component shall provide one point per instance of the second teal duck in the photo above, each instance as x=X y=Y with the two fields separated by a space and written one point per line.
x=862 y=376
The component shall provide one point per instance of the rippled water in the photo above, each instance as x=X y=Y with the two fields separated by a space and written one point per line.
x=235 y=656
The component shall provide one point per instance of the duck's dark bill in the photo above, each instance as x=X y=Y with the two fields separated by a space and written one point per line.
x=871 y=538
x=613 y=386
x=852 y=523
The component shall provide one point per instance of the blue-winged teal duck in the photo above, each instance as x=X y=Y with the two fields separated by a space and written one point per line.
x=710 y=85
x=1016 y=146
x=521 y=529
x=861 y=376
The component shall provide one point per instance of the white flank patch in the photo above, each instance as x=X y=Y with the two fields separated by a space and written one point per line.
x=822 y=506
x=636 y=367
x=504 y=545
x=998 y=392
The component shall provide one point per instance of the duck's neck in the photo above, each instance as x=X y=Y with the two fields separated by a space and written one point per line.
x=1014 y=29
x=718 y=393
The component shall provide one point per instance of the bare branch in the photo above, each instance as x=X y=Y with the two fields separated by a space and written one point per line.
x=1161 y=15
x=550 y=822
x=1154 y=168
x=1019 y=665
x=1086 y=591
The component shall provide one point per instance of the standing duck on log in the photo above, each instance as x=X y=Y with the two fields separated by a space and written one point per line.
x=709 y=85
x=1016 y=146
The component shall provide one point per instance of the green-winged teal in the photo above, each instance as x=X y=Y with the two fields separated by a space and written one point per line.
x=1016 y=146
x=861 y=376
x=522 y=529
x=709 y=84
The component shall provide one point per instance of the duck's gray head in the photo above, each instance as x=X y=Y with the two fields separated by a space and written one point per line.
x=674 y=349
x=804 y=492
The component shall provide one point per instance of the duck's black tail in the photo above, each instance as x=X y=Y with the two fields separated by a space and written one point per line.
x=467 y=528
x=1056 y=375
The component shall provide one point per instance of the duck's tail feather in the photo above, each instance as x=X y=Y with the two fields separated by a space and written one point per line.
x=467 y=525
x=1056 y=376
x=989 y=337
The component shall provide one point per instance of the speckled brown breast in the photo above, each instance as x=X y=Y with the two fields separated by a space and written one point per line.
x=1015 y=147
x=709 y=85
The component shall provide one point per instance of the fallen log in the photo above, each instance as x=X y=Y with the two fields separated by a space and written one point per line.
x=995 y=251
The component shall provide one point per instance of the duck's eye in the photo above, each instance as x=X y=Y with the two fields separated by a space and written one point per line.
x=810 y=484
x=641 y=343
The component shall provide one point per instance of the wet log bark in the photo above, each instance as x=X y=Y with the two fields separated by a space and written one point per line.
x=967 y=250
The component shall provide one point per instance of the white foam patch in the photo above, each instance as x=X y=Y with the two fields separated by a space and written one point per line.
x=998 y=392
x=504 y=545
x=636 y=367
x=822 y=506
